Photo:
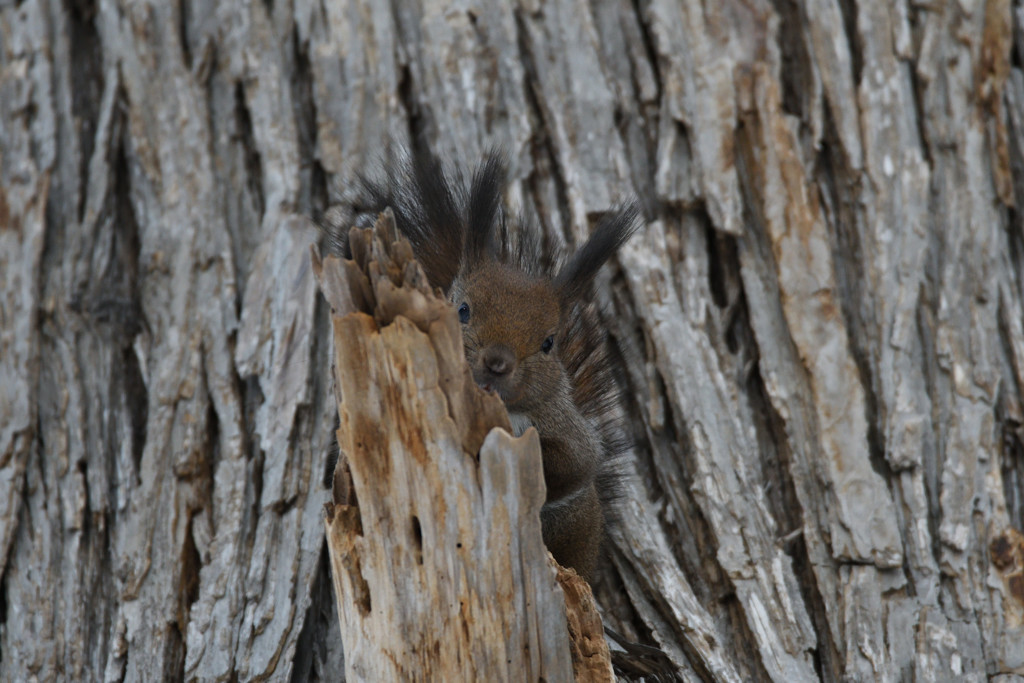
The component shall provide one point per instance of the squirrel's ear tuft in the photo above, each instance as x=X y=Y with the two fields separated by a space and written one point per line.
x=427 y=202
x=437 y=197
x=484 y=206
x=612 y=231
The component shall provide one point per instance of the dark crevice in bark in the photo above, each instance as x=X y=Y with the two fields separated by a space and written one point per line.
x=795 y=73
x=111 y=298
x=918 y=84
x=875 y=418
x=692 y=543
x=253 y=398
x=406 y=22
x=174 y=652
x=649 y=113
x=625 y=349
x=649 y=49
x=1009 y=414
x=188 y=582
x=98 y=553
x=323 y=392
x=417 y=117
x=87 y=83
x=783 y=502
x=917 y=115
x=837 y=191
x=828 y=661
x=313 y=190
x=836 y=185
x=937 y=379
x=253 y=160
x=848 y=8
x=1010 y=411
x=317 y=199
x=665 y=624
x=1017 y=45
x=1015 y=214
x=695 y=548
x=749 y=668
x=124 y=315
x=136 y=402
x=211 y=448
x=315 y=647
x=725 y=283
x=779 y=491
x=931 y=460
x=333 y=455
x=410 y=78
x=610 y=592
x=1011 y=451
x=776 y=458
x=183 y=26
x=631 y=668
x=734 y=328
x=546 y=160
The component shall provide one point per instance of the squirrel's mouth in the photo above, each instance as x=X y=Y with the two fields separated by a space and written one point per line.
x=493 y=385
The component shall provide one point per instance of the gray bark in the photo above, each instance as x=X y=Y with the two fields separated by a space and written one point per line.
x=820 y=325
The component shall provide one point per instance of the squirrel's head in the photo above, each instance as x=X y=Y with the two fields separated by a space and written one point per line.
x=513 y=308
x=514 y=318
x=510 y=325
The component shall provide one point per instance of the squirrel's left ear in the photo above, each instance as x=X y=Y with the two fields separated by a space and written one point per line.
x=483 y=209
x=612 y=231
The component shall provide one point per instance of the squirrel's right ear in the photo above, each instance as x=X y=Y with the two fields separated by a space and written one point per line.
x=612 y=231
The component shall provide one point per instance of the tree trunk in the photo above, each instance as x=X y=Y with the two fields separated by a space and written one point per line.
x=820 y=327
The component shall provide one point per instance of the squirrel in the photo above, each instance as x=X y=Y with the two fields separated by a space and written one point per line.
x=530 y=332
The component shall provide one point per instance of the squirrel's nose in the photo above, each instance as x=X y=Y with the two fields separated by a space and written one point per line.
x=499 y=360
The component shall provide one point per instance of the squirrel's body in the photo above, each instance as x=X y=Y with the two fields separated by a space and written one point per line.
x=531 y=335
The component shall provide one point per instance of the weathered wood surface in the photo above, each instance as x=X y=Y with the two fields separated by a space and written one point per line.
x=821 y=325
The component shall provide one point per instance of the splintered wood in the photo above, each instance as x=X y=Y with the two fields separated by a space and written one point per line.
x=438 y=564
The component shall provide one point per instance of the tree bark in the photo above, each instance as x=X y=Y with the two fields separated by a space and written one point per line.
x=820 y=327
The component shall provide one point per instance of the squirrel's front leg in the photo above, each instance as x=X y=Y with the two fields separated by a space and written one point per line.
x=573 y=522
x=572 y=519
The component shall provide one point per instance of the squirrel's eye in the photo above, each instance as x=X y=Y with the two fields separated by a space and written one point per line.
x=464 y=313
x=548 y=343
